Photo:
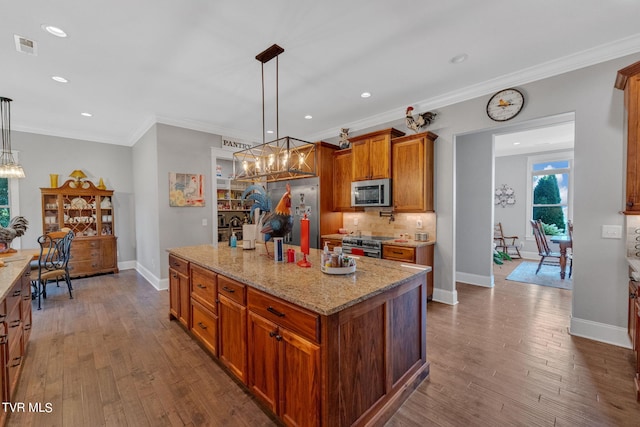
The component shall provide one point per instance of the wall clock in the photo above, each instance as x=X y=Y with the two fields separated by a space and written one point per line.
x=505 y=105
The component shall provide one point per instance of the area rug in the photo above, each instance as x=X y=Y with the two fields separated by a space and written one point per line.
x=548 y=275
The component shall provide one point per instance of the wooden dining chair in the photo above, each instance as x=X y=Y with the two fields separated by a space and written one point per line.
x=506 y=244
x=53 y=263
x=547 y=256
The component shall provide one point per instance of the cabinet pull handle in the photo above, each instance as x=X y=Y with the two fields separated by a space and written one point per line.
x=273 y=333
x=397 y=252
x=632 y=295
x=2 y=317
x=217 y=300
x=201 y=286
x=175 y=276
x=278 y=337
x=17 y=361
x=14 y=323
x=17 y=292
x=224 y=288
x=3 y=339
x=274 y=311
x=202 y=325
x=27 y=327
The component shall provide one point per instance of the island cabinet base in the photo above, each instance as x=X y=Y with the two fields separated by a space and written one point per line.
x=374 y=355
x=353 y=365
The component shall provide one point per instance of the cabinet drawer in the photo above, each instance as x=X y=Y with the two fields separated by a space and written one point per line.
x=83 y=267
x=14 y=363
x=399 y=253
x=178 y=264
x=285 y=314
x=84 y=245
x=204 y=326
x=84 y=255
x=231 y=289
x=203 y=287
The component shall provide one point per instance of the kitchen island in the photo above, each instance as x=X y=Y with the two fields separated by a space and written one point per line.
x=315 y=349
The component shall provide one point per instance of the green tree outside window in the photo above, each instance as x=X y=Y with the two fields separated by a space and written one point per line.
x=5 y=214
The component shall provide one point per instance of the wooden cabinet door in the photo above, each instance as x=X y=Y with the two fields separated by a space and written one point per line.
x=379 y=157
x=174 y=294
x=632 y=101
x=342 y=175
x=184 y=315
x=263 y=359
x=360 y=161
x=232 y=321
x=412 y=168
x=108 y=255
x=299 y=380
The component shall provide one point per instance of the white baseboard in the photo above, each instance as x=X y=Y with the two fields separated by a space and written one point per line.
x=445 y=297
x=600 y=332
x=475 y=279
x=156 y=282
x=127 y=265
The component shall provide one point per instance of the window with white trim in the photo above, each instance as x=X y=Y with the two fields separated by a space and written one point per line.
x=550 y=191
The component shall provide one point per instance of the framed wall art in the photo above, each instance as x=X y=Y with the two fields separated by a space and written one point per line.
x=186 y=189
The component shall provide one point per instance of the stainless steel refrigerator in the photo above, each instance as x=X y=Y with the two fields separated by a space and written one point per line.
x=304 y=198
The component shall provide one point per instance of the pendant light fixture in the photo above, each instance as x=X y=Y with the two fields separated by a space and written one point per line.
x=282 y=158
x=8 y=166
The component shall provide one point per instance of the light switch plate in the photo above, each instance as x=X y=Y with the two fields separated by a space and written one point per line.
x=612 y=232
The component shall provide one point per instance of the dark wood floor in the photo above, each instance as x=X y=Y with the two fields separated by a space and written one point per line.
x=501 y=357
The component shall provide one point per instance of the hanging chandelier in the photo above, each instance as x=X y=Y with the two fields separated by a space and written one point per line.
x=280 y=159
x=8 y=166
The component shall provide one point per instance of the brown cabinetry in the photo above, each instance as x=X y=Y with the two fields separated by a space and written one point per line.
x=628 y=79
x=179 y=301
x=422 y=255
x=284 y=358
x=204 y=307
x=412 y=172
x=342 y=176
x=371 y=157
x=88 y=212
x=232 y=324
x=15 y=328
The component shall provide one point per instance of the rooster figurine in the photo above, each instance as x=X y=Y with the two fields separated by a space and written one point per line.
x=276 y=223
x=279 y=222
x=16 y=228
x=420 y=121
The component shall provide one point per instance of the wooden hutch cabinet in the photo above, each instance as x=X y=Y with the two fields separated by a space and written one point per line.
x=628 y=79
x=88 y=212
x=372 y=154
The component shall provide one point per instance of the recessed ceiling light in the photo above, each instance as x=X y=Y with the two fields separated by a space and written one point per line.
x=365 y=95
x=459 y=58
x=516 y=143
x=60 y=79
x=86 y=114
x=269 y=131
x=308 y=117
x=58 y=32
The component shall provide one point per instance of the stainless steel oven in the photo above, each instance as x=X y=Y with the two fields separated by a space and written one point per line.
x=370 y=246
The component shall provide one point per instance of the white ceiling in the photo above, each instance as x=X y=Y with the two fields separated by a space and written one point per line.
x=192 y=63
x=553 y=137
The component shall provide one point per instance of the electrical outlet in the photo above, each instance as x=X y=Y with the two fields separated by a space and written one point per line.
x=355 y=221
x=419 y=223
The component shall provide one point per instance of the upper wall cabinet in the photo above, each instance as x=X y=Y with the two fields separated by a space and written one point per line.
x=412 y=180
x=628 y=79
x=371 y=154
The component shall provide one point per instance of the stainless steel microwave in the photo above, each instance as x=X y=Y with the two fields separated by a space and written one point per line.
x=376 y=192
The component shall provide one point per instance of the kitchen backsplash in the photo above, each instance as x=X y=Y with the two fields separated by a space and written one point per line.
x=633 y=236
x=371 y=223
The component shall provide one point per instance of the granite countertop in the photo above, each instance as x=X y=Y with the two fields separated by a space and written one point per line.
x=321 y=293
x=405 y=242
x=14 y=264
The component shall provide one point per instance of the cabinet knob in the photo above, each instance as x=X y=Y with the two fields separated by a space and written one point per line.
x=202 y=325
x=201 y=286
x=632 y=295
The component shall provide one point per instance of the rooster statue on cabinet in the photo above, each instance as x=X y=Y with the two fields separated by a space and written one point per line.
x=422 y=120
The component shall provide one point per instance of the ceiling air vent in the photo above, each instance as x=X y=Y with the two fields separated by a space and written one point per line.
x=24 y=45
